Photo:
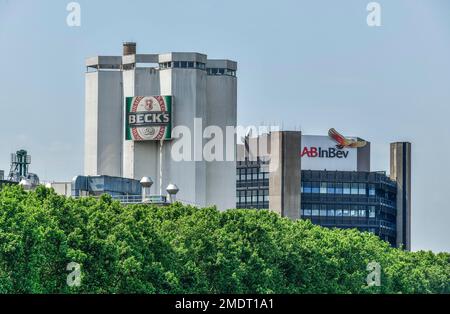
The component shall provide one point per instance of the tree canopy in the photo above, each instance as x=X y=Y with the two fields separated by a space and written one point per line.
x=183 y=249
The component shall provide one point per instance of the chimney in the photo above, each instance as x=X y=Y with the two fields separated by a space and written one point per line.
x=129 y=48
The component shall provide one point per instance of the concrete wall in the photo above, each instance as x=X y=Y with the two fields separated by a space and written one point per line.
x=401 y=173
x=91 y=124
x=363 y=163
x=285 y=173
x=103 y=135
x=189 y=91
x=222 y=112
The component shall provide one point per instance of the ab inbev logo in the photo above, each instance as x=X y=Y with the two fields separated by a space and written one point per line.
x=331 y=152
x=338 y=151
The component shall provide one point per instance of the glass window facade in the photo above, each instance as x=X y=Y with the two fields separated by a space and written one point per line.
x=252 y=184
x=342 y=199
x=346 y=199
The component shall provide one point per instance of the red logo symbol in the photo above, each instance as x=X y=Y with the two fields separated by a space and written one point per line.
x=149 y=105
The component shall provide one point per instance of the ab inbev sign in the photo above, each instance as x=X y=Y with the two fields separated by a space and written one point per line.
x=322 y=152
x=148 y=118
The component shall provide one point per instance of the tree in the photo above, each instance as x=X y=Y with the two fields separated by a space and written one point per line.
x=183 y=249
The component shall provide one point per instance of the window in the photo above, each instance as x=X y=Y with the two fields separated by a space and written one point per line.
x=183 y=64
x=372 y=211
x=315 y=210
x=261 y=196
x=354 y=213
x=362 y=189
x=266 y=195
x=190 y=64
x=323 y=210
x=338 y=212
x=200 y=65
x=346 y=188
x=362 y=213
x=307 y=212
x=254 y=196
x=307 y=187
x=255 y=173
x=371 y=189
x=323 y=188
x=331 y=212
x=330 y=188
x=248 y=196
x=346 y=213
x=176 y=64
x=242 y=196
x=354 y=188
x=315 y=187
x=338 y=189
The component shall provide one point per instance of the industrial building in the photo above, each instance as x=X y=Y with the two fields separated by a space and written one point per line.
x=19 y=171
x=314 y=177
x=134 y=101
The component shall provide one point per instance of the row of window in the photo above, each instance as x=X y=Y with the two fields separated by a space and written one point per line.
x=196 y=65
x=341 y=211
x=252 y=196
x=182 y=64
x=248 y=174
x=252 y=176
x=220 y=71
x=338 y=188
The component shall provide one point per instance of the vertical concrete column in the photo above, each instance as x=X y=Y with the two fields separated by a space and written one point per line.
x=401 y=173
x=363 y=157
x=285 y=173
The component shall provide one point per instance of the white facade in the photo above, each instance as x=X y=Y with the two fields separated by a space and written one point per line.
x=200 y=88
x=320 y=153
x=62 y=188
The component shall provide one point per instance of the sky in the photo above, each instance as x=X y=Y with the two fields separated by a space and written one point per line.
x=310 y=64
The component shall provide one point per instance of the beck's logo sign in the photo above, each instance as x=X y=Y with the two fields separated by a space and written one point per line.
x=137 y=119
x=331 y=152
x=148 y=118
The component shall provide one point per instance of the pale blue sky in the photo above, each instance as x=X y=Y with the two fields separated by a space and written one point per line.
x=310 y=63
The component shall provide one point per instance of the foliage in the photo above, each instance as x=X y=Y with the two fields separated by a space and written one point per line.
x=182 y=249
